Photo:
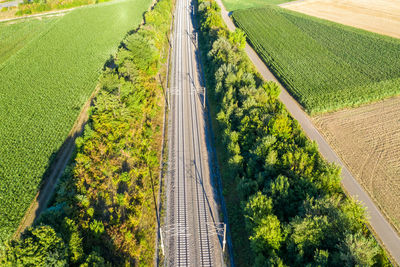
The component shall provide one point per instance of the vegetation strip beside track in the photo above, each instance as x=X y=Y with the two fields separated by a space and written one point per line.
x=324 y=65
x=291 y=202
x=44 y=85
x=103 y=210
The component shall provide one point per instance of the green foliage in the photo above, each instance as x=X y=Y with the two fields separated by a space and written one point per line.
x=357 y=250
x=141 y=51
x=73 y=239
x=238 y=38
x=94 y=260
x=257 y=207
x=280 y=126
x=267 y=234
x=307 y=234
x=321 y=257
x=284 y=200
x=39 y=246
x=243 y=4
x=38 y=6
x=97 y=228
x=45 y=85
x=324 y=65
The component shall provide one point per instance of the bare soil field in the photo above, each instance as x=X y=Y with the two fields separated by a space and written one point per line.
x=380 y=16
x=368 y=141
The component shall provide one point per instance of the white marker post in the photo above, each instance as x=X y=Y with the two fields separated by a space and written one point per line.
x=224 y=241
x=162 y=242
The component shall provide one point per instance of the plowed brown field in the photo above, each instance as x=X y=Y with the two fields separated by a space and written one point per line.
x=380 y=16
x=368 y=141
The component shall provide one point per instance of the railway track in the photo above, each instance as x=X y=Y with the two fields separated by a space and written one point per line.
x=203 y=231
x=191 y=238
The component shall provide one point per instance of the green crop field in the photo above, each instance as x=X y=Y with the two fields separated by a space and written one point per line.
x=16 y=35
x=43 y=87
x=324 y=65
x=242 y=4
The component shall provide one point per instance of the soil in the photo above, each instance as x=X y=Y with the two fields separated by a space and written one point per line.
x=380 y=16
x=368 y=141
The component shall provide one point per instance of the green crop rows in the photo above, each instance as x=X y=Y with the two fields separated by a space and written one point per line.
x=15 y=36
x=241 y=4
x=43 y=87
x=325 y=66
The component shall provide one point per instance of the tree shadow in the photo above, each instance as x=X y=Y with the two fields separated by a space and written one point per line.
x=57 y=163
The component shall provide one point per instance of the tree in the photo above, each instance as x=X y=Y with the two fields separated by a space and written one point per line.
x=73 y=239
x=280 y=126
x=94 y=260
x=238 y=38
x=358 y=250
x=267 y=235
x=279 y=190
x=272 y=89
x=39 y=246
x=321 y=258
x=307 y=235
x=266 y=230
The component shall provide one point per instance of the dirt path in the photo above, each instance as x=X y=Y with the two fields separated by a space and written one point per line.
x=42 y=198
x=380 y=16
x=384 y=231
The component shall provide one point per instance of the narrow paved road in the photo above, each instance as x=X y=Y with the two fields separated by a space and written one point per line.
x=380 y=225
x=192 y=225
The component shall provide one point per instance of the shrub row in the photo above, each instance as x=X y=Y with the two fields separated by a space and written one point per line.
x=38 y=6
x=285 y=202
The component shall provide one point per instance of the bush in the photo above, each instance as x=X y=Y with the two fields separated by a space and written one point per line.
x=39 y=246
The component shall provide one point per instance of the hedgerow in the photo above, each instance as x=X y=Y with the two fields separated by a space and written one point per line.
x=324 y=65
x=285 y=203
x=104 y=210
x=38 y=6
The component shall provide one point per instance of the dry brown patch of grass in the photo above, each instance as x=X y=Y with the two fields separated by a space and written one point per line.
x=368 y=141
